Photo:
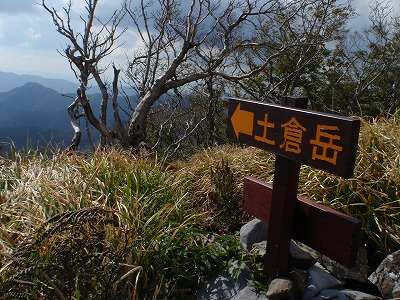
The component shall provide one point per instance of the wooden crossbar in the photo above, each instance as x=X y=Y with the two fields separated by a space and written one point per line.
x=324 y=229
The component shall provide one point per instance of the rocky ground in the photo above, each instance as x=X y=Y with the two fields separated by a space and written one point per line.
x=311 y=276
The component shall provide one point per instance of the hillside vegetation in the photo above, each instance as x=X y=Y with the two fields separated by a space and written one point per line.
x=109 y=224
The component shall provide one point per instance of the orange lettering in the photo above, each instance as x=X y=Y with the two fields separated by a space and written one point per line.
x=265 y=125
x=324 y=148
x=293 y=134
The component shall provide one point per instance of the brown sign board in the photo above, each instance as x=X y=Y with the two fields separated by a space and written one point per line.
x=327 y=231
x=324 y=141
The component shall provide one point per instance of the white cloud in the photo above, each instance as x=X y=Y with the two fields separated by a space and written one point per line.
x=362 y=8
x=36 y=62
x=29 y=40
x=33 y=34
x=17 y=6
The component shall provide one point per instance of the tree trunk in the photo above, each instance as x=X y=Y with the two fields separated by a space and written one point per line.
x=75 y=125
x=210 y=113
x=103 y=104
x=138 y=123
x=396 y=100
x=93 y=120
x=121 y=130
x=137 y=127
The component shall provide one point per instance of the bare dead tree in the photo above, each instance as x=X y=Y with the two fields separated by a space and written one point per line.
x=184 y=44
x=369 y=63
x=315 y=24
x=85 y=51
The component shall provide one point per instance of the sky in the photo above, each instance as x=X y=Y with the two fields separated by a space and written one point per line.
x=29 y=41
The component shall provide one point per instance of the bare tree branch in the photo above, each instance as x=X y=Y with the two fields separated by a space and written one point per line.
x=85 y=51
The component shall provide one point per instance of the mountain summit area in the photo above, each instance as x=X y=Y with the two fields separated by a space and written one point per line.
x=36 y=113
x=9 y=81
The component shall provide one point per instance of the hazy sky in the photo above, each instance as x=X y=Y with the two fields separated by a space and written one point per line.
x=29 y=41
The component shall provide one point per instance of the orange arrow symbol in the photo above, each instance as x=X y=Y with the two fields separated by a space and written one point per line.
x=242 y=121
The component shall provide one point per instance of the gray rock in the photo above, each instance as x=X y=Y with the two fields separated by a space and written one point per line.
x=396 y=291
x=356 y=295
x=299 y=279
x=299 y=257
x=319 y=280
x=259 y=249
x=253 y=232
x=324 y=280
x=387 y=276
x=359 y=272
x=250 y=293
x=253 y=235
x=224 y=286
x=280 y=289
x=331 y=294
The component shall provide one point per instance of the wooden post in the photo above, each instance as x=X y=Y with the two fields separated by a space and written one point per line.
x=284 y=195
x=322 y=228
x=297 y=136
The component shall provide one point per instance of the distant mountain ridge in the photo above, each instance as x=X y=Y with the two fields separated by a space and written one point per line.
x=35 y=108
x=9 y=81
x=39 y=113
x=33 y=105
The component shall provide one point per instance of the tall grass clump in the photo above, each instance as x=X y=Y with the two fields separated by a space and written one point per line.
x=373 y=194
x=109 y=225
x=105 y=225
x=215 y=178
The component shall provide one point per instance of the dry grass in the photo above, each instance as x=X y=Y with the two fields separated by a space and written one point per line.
x=143 y=224
x=80 y=226
x=216 y=182
x=372 y=195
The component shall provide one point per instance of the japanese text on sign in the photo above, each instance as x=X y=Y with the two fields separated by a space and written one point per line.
x=325 y=141
x=323 y=149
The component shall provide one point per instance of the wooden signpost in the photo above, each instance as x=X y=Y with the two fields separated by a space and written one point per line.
x=327 y=231
x=296 y=135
